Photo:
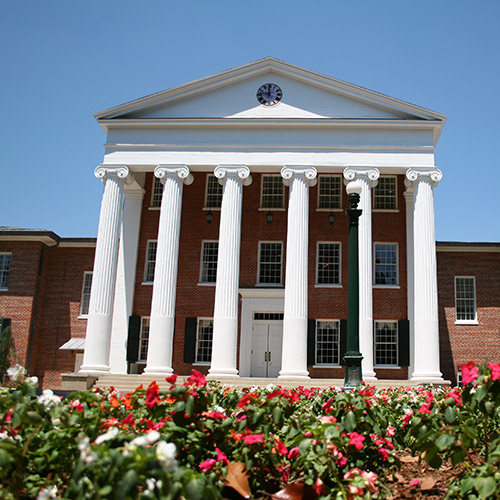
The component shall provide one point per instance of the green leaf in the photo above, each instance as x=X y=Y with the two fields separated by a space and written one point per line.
x=485 y=486
x=34 y=417
x=458 y=456
x=105 y=490
x=189 y=406
x=5 y=458
x=480 y=393
x=277 y=414
x=444 y=441
x=450 y=414
x=127 y=484
x=194 y=490
x=350 y=421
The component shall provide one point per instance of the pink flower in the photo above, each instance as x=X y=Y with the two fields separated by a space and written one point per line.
x=318 y=486
x=197 y=378
x=407 y=418
x=328 y=419
x=414 y=482
x=456 y=395
x=221 y=457
x=371 y=477
x=355 y=490
x=214 y=415
x=391 y=431
x=356 y=440
x=281 y=448
x=495 y=370
x=207 y=465
x=384 y=453
x=241 y=417
x=469 y=372
x=425 y=408
x=293 y=453
x=254 y=438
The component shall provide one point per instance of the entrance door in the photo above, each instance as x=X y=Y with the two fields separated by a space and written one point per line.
x=267 y=338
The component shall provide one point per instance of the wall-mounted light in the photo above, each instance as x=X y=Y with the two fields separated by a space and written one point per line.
x=269 y=217
x=331 y=218
x=209 y=215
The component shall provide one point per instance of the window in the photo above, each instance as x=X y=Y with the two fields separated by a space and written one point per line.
x=327 y=342
x=157 y=193
x=208 y=271
x=204 y=337
x=270 y=263
x=328 y=264
x=213 y=194
x=465 y=299
x=272 y=194
x=85 y=301
x=386 y=264
x=149 y=268
x=143 y=340
x=330 y=192
x=384 y=194
x=386 y=343
x=5 y=259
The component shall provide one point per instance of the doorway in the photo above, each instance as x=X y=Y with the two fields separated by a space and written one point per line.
x=267 y=340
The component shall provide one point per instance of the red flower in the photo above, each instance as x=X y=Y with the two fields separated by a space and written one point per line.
x=406 y=418
x=318 y=487
x=293 y=453
x=391 y=431
x=425 y=408
x=246 y=399
x=356 y=440
x=456 y=395
x=214 y=415
x=469 y=372
x=221 y=457
x=281 y=448
x=207 y=465
x=253 y=438
x=197 y=378
x=384 y=453
x=172 y=379
x=152 y=393
x=129 y=419
x=495 y=370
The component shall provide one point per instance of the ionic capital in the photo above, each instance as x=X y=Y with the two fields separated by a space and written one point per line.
x=370 y=174
x=290 y=171
x=240 y=172
x=421 y=173
x=104 y=171
x=180 y=171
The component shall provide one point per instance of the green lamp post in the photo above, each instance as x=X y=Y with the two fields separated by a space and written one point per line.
x=352 y=357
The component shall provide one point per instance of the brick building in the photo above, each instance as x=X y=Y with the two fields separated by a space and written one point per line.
x=222 y=241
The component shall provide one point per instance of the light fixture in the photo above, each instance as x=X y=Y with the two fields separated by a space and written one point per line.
x=209 y=217
x=331 y=218
x=269 y=217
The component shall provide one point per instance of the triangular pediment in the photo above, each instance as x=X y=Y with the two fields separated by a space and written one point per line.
x=232 y=94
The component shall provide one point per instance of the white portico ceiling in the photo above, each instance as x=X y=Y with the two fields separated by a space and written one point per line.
x=232 y=95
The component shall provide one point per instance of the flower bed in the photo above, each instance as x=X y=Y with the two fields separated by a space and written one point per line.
x=208 y=441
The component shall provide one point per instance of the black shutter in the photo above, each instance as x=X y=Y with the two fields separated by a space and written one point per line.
x=343 y=339
x=311 y=342
x=134 y=332
x=190 y=340
x=404 y=342
x=4 y=323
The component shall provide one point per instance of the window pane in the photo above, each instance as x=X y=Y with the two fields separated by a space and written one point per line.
x=5 y=260
x=144 y=340
x=330 y=191
x=213 y=198
x=386 y=343
x=209 y=261
x=465 y=298
x=157 y=192
x=327 y=343
x=87 y=285
x=384 y=194
x=328 y=263
x=149 y=271
x=386 y=264
x=270 y=263
x=204 y=341
x=272 y=192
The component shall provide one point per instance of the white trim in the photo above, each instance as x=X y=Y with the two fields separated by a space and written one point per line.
x=85 y=315
x=196 y=362
x=258 y=283
x=326 y=176
x=261 y=207
x=156 y=181
x=328 y=285
x=209 y=283
x=146 y=261
x=205 y=205
x=396 y=192
x=381 y=285
x=325 y=365
x=139 y=347
x=396 y=322
x=466 y=321
x=7 y=270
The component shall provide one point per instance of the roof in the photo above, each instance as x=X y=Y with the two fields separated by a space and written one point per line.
x=11 y=233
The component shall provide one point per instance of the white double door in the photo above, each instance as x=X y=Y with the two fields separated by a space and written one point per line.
x=267 y=340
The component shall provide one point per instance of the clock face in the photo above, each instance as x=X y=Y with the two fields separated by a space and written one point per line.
x=269 y=94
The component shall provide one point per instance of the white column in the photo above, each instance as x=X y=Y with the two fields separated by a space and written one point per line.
x=368 y=177
x=161 y=323
x=97 y=340
x=294 y=357
x=410 y=270
x=225 y=333
x=125 y=277
x=426 y=336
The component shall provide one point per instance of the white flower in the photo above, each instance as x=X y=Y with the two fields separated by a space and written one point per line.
x=15 y=372
x=46 y=493
x=270 y=387
x=4 y=435
x=110 y=434
x=152 y=483
x=165 y=452
x=219 y=409
x=149 y=438
x=86 y=453
x=33 y=380
x=48 y=398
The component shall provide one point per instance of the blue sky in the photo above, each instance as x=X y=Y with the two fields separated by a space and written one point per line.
x=63 y=61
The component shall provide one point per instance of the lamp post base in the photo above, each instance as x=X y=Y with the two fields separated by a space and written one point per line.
x=353 y=373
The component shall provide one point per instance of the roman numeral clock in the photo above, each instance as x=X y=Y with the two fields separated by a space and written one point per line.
x=269 y=94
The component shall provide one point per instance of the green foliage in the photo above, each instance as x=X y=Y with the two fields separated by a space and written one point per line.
x=7 y=352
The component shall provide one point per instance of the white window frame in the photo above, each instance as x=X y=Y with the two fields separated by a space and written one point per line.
x=466 y=321
x=198 y=340
x=143 y=340
x=261 y=205
x=381 y=285
x=270 y=285
x=84 y=294
x=389 y=365
x=374 y=194
x=329 y=285
x=321 y=178
x=323 y=365
x=6 y=271
x=208 y=206
x=147 y=261
x=202 y=281
x=155 y=203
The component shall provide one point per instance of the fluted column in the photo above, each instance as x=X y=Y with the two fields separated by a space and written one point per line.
x=426 y=332
x=97 y=340
x=294 y=357
x=225 y=332
x=161 y=323
x=368 y=177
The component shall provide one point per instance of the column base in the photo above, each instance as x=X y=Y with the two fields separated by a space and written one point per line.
x=289 y=375
x=428 y=378
x=159 y=370
x=90 y=369
x=369 y=376
x=220 y=374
